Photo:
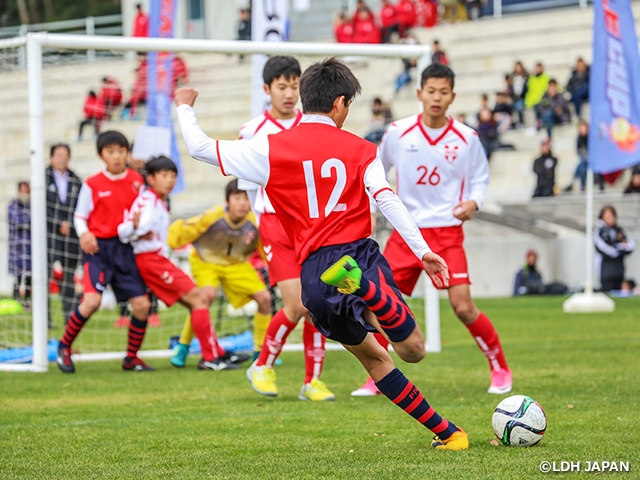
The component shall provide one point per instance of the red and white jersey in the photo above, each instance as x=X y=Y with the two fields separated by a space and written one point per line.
x=317 y=177
x=154 y=218
x=103 y=200
x=435 y=169
x=263 y=125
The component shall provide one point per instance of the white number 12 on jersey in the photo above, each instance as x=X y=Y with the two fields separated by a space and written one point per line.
x=338 y=188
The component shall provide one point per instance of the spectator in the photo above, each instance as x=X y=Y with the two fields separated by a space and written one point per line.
x=578 y=86
x=583 y=157
x=180 y=73
x=474 y=9
x=438 y=55
x=502 y=111
x=19 y=215
x=244 y=25
x=381 y=116
x=545 y=168
x=388 y=20
x=629 y=288
x=407 y=16
x=462 y=118
x=451 y=10
x=537 y=85
x=519 y=80
x=528 y=279
x=408 y=64
x=138 y=92
x=426 y=13
x=553 y=109
x=111 y=95
x=140 y=23
x=63 y=187
x=343 y=29
x=488 y=132
x=365 y=29
x=612 y=245
x=94 y=112
x=634 y=183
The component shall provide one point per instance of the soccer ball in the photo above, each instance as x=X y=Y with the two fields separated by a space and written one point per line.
x=519 y=421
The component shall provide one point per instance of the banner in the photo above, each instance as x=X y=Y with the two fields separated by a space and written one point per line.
x=160 y=79
x=614 y=136
x=268 y=24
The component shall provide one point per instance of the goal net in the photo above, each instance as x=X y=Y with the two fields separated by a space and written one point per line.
x=45 y=80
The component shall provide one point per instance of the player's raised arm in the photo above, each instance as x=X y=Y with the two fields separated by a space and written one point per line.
x=395 y=211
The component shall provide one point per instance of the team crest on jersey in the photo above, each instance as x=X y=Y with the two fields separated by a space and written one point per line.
x=450 y=153
x=248 y=237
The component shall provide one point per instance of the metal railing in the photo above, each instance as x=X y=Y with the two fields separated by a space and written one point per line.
x=501 y=7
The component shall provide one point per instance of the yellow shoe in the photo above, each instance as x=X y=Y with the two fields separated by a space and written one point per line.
x=263 y=380
x=457 y=441
x=316 y=391
x=345 y=274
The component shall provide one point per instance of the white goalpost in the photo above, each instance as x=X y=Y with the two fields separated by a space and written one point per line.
x=35 y=43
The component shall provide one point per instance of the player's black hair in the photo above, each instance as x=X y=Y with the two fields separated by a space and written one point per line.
x=323 y=82
x=280 y=66
x=111 y=137
x=59 y=145
x=437 y=70
x=159 y=164
x=608 y=207
x=232 y=187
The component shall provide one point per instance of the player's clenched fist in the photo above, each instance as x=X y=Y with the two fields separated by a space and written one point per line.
x=185 y=96
x=436 y=269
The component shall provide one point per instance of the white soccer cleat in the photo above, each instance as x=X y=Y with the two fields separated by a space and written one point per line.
x=369 y=389
x=501 y=381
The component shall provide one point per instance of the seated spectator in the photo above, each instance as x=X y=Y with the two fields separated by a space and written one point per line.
x=474 y=9
x=343 y=29
x=502 y=112
x=537 y=85
x=365 y=29
x=94 y=112
x=545 y=169
x=583 y=157
x=111 y=95
x=612 y=245
x=438 y=55
x=629 y=288
x=138 y=93
x=19 y=216
x=408 y=64
x=578 y=86
x=553 y=109
x=381 y=116
x=407 y=16
x=426 y=13
x=634 y=183
x=462 y=118
x=528 y=279
x=487 y=132
x=388 y=20
x=519 y=80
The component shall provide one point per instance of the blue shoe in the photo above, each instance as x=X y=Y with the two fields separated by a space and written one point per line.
x=180 y=354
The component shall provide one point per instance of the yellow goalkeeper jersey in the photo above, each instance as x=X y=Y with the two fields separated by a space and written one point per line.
x=215 y=238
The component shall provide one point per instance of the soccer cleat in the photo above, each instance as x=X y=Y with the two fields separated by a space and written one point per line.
x=263 y=380
x=369 y=389
x=122 y=322
x=345 y=274
x=316 y=391
x=501 y=381
x=154 y=320
x=180 y=354
x=457 y=441
x=136 y=365
x=235 y=358
x=217 y=365
x=65 y=364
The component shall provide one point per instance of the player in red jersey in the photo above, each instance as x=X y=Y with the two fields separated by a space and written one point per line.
x=281 y=80
x=103 y=200
x=441 y=176
x=317 y=177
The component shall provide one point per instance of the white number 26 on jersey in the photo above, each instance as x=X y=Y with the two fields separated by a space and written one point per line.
x=338 y=188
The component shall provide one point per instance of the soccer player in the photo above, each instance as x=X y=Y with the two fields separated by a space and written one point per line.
x=145 y=227
x=281 y=78
x=441 y=176
x=222 y=238
x=102 y=202
x=317 y=177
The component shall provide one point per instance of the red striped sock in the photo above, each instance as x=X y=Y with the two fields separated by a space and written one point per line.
x=406 y=395
x=137 y=329
x=279 y=329
x=485 y=335
x=74 y=324
x=314 y=351
x=201 y=324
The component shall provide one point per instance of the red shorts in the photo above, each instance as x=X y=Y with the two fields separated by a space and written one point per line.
x=445 y=241
x=163 y=278
x=278 y=250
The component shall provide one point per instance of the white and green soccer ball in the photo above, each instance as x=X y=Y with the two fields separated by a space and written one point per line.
x=519 y=421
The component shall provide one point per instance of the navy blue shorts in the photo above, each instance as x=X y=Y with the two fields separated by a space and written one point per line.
x=114 y=264
x=336 y=315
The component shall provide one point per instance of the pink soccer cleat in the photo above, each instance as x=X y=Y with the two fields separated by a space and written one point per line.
x=501 y=381
x=154 y=320
x=369 y=389
x=122 y=322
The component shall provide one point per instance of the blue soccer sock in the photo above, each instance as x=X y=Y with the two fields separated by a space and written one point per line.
x=406 y=395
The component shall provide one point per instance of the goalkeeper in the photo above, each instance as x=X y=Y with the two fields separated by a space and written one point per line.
x=222 y=238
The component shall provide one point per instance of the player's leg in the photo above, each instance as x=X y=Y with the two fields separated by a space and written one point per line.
x=261 y=319
x=314 y=353
x=485 y=335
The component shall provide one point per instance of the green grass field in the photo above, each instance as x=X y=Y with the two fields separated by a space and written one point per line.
x=179 y=424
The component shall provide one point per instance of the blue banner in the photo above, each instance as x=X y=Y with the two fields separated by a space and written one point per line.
x=160 y=78
x=614 y=137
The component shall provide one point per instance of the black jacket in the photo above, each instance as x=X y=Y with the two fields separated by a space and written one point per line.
x=612 y=246
x=59 y=245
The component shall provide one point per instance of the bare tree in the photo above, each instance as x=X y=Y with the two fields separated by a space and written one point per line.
x=23 y=11
x=34 y=13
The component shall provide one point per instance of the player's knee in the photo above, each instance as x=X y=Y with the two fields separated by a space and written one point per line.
x=295 y=312
x=263 y=299
x=91 y=302
x=465 y=311
x=209 y=294
x=412 y=349
x=140 y=307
